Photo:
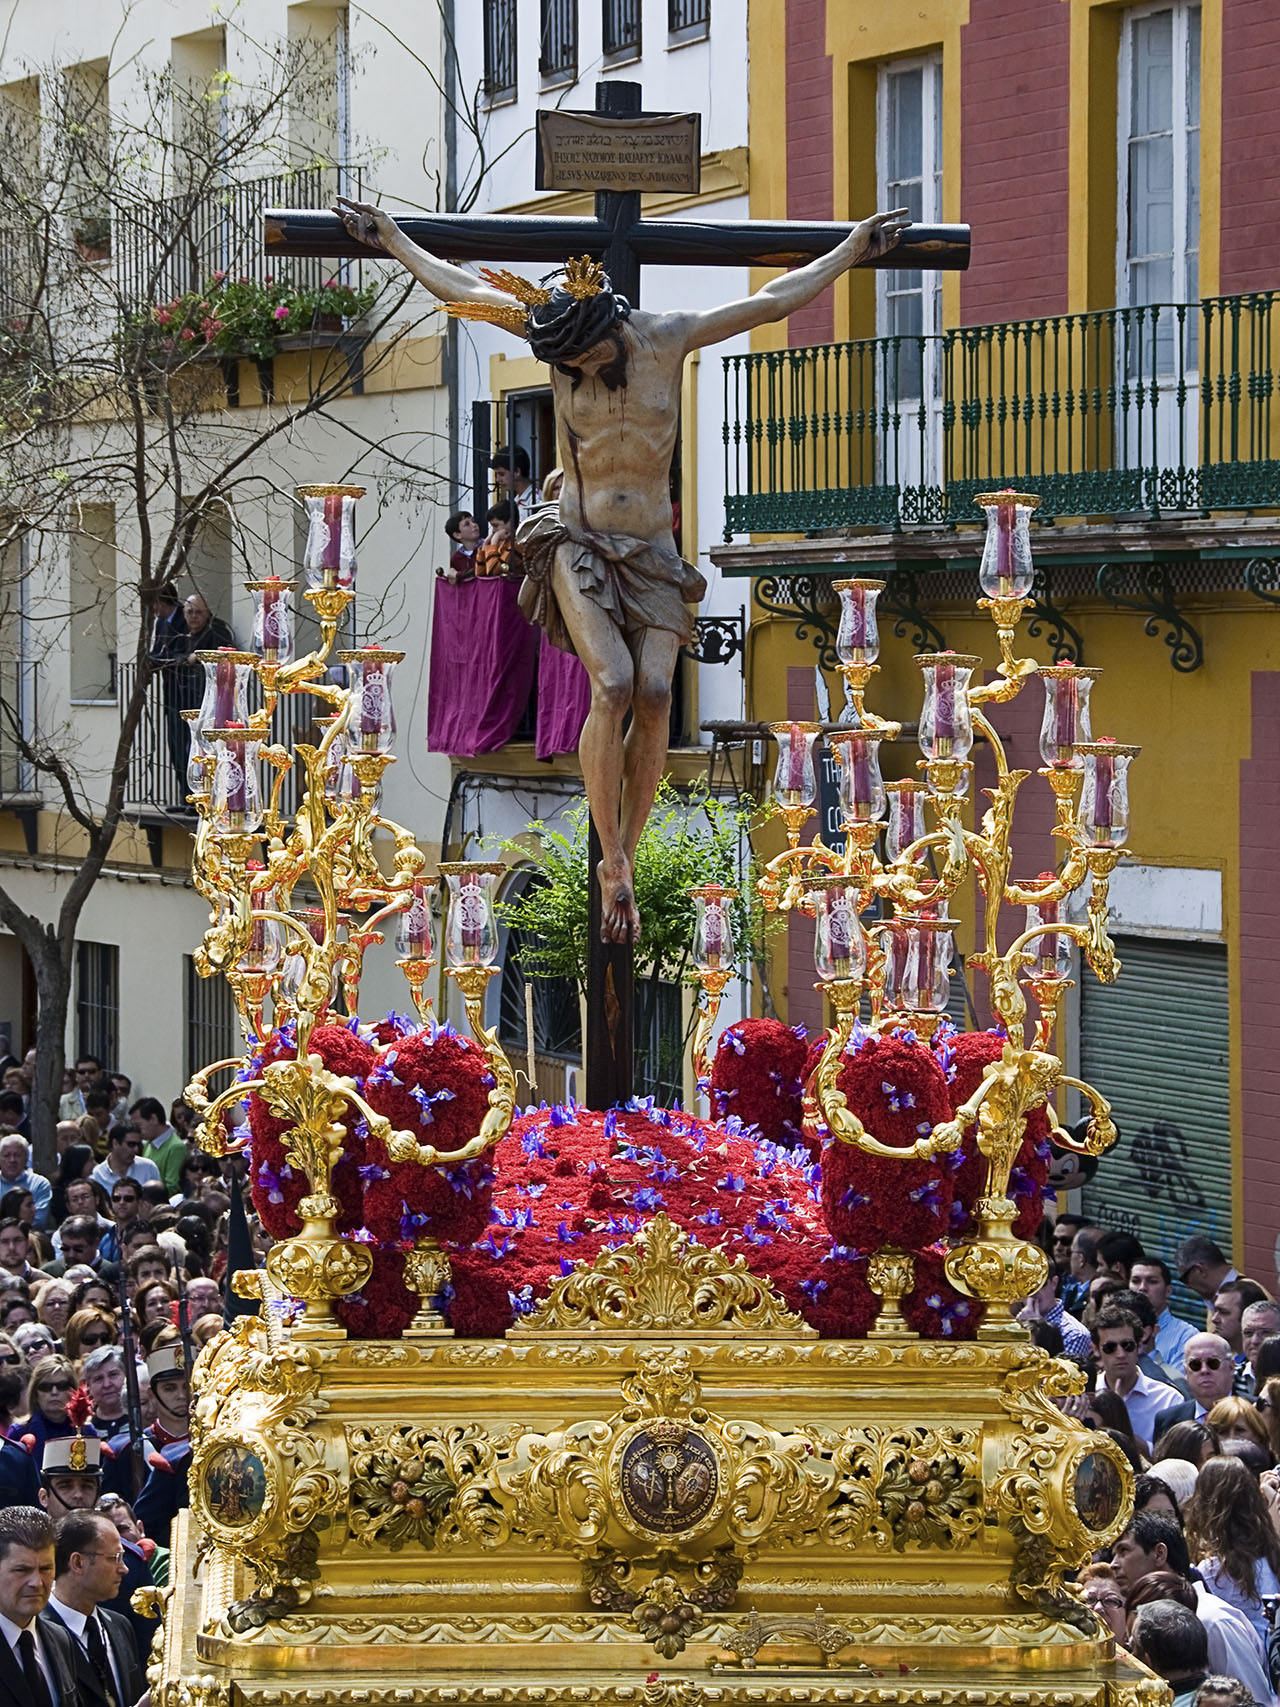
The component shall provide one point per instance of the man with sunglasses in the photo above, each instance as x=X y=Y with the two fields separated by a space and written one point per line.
x=1211 y=1370
x=124 y=1158
x=1117 y=1339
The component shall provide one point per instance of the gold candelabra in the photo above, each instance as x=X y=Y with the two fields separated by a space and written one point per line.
x=290 y=964
x=904 y=965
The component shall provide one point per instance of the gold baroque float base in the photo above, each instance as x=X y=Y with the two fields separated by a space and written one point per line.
x=683 y=1514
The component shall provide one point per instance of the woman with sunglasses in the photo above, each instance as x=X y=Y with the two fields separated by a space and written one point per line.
x=86 y=1331
x=53 y=1381
x=10 y=1356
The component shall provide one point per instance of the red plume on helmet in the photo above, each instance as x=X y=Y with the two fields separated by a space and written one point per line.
x=79 y=1408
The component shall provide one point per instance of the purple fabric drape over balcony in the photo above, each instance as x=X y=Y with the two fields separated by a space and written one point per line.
x=564 y=698
x=484 y=656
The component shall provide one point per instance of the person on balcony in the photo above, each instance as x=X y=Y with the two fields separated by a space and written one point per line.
x=511 y=476
x=494 y=556
x=203 y=632
x=463 y=531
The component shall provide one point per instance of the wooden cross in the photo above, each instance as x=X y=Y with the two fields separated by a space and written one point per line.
x=625 y=242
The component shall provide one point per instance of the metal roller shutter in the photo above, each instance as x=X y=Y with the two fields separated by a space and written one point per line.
x=1155 y=1043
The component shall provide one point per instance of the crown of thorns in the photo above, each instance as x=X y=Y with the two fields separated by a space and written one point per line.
x=583 y=278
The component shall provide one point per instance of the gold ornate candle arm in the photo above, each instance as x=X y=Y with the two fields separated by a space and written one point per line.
x=714 y=984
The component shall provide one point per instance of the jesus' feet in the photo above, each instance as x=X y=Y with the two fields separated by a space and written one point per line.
x=619 y=917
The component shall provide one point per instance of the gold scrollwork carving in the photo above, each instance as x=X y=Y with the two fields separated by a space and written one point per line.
x=663 y=1282
x=433 y=1487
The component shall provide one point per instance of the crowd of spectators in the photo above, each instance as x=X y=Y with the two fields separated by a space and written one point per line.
x=112 y=1269
x=1191 y=1586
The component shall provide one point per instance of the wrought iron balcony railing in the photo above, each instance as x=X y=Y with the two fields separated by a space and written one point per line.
x=19 y=697
x=178 y=243
x=157 y=781
x=1127 y=410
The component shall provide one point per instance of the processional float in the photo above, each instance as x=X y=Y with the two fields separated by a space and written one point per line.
x=662 y=1482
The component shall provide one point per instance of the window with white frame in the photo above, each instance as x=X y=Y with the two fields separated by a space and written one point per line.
x=909 y=168
x=1159 y=161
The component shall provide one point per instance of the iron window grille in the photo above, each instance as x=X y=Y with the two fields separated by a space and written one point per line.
x=558 y=56
x=98 y=1001
x=621 y=32
x=499 y=48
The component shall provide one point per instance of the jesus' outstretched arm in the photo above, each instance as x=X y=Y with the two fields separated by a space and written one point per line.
x=784 y=295
x=451 y=284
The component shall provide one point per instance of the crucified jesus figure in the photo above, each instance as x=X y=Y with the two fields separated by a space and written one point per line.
x=604 y=578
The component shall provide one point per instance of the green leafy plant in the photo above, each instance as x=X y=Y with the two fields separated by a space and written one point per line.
x=698 y=838
x=246 y=317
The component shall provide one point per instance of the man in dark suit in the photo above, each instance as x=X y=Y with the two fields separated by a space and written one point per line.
x=37 y=1661
x=89 y=1568
x=1210 y=1370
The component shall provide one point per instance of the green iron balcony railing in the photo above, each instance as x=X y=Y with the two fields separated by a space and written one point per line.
x=1166 y=407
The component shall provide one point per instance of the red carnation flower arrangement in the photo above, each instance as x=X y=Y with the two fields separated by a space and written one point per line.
x=758 y=1076
x=428 y=1081
x=571 y=1182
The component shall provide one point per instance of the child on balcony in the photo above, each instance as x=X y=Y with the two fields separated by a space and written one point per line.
x=494 y=556
x=464 y=532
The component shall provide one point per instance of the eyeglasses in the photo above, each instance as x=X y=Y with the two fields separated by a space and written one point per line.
x=53 y=1386
x=1101 y=1600
x=118 y=1559
x=1110 y=1347
x=11 y=1359
x=1196 y=1364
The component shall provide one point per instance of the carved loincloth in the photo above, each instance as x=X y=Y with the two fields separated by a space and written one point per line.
x=638 y=583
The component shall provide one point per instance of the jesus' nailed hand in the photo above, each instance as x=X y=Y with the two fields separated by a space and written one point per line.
x=603 y=576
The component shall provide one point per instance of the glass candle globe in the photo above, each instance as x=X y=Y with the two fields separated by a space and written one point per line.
x=471 y=930
x=862 y=791
x=917 y=972
x=415 y=938
x=235 y=805
x=839 y=947
x=265 y=949
x=858 y=636
x=272 y=619
x=1053 y=949
x=293 y=968
x=1104 y=795
x=329 y=557
x=795 y=779
x=199 y=755
x=906 y=816
x=226 y=688
x=371 y=726
x=1065 y=722
x=946 y=726
x=712 y=927
x=1006 y=570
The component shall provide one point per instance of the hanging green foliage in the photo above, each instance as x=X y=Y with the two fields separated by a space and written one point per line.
x=689 y=839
